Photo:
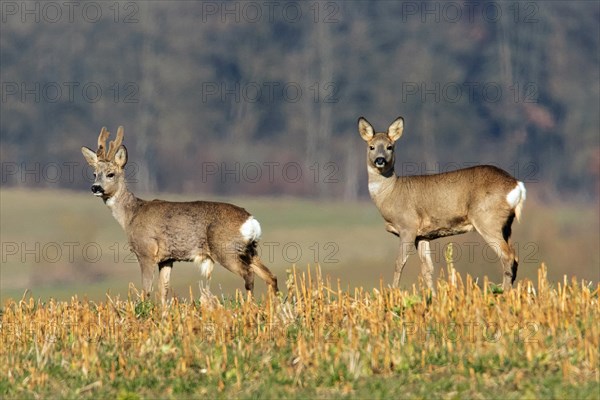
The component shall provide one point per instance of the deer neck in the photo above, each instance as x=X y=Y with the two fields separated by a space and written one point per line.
x=122 y=205
x=381 y=184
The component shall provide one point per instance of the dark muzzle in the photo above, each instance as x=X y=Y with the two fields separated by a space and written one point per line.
x=380 y=162
x=97 y=190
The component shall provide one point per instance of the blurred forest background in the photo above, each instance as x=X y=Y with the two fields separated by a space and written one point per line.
x=262 y=98
x=257 y=103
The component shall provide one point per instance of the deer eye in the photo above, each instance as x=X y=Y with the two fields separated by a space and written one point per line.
x=371 y=147
x=110 y=175
x=389 y=147
x=95 y=175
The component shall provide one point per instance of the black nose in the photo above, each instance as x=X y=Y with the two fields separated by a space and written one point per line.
x=380 y=161
x=97 y=189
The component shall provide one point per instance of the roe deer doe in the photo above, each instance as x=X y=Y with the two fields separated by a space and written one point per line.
x=421 y=208
x=161 y=232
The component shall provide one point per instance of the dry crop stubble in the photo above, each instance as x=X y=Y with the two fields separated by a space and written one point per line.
x=316 y=338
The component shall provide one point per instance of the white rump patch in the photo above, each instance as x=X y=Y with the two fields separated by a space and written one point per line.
x=250 y=229
x=517 y=195
x=206 y=265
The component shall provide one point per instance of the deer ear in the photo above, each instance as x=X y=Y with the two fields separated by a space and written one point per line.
x=121 y=156
x=396 y=128
x=90 y=156
x=365 y=129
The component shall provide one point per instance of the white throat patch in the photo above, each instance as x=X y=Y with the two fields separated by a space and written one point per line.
x=374 y=187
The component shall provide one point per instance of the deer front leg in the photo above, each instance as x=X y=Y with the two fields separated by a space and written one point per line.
x=426 y=263
x=147 y=266
x=406 y=244
x=390 y=228
x=164 y=280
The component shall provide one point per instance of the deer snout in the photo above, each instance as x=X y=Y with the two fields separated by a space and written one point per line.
x=97 y=190
x=379 y=162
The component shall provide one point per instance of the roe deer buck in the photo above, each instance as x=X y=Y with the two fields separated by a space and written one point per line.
x=421 y=208
x=161 y=232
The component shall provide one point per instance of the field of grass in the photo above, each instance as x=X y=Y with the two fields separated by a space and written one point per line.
x=315 y=339
x=73 y=324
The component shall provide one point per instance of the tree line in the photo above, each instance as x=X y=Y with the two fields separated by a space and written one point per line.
x=263 y=97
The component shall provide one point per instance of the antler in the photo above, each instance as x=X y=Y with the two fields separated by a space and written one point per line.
x=104 y=134
x=114 y=145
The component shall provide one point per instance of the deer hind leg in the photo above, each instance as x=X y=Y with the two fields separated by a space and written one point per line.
x=164 y=280
x=499 y=240
x=249 y=280
x=506 y=233
x=235 y=263
x=426 y=263
x=264 y=273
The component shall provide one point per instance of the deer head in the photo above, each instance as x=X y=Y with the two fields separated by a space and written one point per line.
x=108 y=165
x=380 y=150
